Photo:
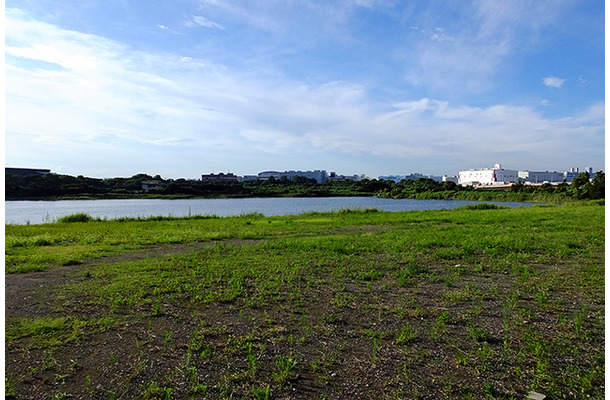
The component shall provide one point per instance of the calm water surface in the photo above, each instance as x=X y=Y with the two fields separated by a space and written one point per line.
x=39 y=212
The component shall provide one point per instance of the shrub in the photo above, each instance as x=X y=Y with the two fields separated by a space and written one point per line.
x=483 y=206
x=78 y=217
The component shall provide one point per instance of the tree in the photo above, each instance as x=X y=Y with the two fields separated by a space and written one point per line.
x=580 y=186
x=598 y=186
x=449 y=185
x=580 y=180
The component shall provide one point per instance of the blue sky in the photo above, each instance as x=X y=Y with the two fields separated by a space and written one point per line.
x=107 y=88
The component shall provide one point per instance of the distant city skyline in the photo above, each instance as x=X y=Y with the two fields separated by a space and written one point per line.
x=322 y=174
x=109 y=89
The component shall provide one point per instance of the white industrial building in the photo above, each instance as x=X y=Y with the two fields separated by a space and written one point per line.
x=499 y=176
x=488 y=176
x=541 y=177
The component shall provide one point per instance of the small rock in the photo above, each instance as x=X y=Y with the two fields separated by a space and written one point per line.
x=535 y=396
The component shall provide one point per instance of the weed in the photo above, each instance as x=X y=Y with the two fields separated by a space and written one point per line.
x=152 y=390
x=10 y=386
x=439 y=328
x=88 y=384
x=157 y=309
x=207 y=352
x=461 y=358
x=375 y=337
x=411 y=270
x=444 y=317
x=252 y=360
x=406 y=335
x=324 y=363
x=479 y=334
x=542 y=298
x=332 y=318
x=200 y=389
x=190 y=371
x=489 y=390
x=283 y=369
x=466 y=393
x=485 y=354
x=261 y=393
x=49 y=360
x=513 y=301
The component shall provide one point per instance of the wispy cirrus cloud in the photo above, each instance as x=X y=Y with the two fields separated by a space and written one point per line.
x=470 y=49
x=200 y=21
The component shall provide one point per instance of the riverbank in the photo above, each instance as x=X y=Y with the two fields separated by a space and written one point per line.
x=350 y=304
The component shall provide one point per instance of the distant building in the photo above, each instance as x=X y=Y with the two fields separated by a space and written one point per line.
x=395 y=178
x=219 y=177
x=319 y=175
x=248 y=178
x=558 y=177
x=269 y=174
x=333 y=176
x=541 y=177
x=499 y=176
x=26 y=171
x=488 y=176
x=151 y=185
x=413 y=177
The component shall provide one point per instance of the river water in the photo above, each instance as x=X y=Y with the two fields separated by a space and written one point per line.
x=39 y=212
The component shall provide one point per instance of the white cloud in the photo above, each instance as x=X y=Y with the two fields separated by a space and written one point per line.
x=465 y=46
x=553 y=82
x=112 y=106
x=198 y=20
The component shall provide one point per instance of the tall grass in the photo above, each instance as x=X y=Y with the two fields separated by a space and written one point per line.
x=78 y=217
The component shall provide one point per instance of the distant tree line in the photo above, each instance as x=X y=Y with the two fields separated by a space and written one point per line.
x=53 y=186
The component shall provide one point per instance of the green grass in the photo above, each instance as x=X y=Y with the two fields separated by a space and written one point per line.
x=53 y=331
x=471 y=303
x=79 y=217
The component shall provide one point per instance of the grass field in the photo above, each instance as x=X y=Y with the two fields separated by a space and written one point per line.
x=459 y=304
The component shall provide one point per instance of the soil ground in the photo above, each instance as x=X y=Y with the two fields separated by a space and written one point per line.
x=338 y=345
